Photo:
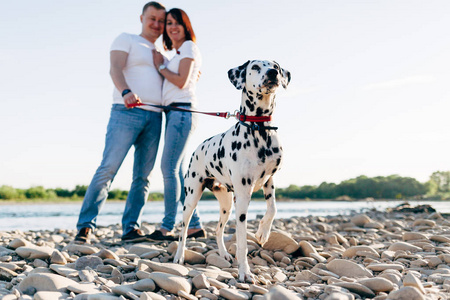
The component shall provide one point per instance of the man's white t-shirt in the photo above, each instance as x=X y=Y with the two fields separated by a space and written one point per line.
x=172 y=93
x=140 y=73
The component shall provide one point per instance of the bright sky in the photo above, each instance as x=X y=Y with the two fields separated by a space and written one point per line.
x=369 y=91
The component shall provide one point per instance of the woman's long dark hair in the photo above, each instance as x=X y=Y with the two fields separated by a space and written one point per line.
x=182 y=18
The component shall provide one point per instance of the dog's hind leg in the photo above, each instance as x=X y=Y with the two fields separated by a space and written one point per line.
x=243 y=198
x=263 y=233
x=193 y=194
x=226 y=202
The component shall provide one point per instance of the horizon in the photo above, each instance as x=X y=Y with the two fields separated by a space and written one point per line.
x=369 y=91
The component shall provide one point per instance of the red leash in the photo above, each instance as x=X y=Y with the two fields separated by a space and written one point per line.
x=226 y=115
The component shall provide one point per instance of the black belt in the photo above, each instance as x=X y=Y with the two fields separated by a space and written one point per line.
x=176 y=104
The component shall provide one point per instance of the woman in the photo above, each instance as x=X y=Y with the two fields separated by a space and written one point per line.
x=181 y=75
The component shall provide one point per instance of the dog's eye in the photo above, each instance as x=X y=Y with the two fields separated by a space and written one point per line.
x=256 y=67
x=277 y=67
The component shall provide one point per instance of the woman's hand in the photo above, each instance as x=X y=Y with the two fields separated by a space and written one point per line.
x=158 y=59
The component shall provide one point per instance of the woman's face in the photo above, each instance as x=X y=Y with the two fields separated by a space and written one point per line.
x=175 y=31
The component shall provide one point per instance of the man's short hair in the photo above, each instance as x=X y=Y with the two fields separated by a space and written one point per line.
x=154 y=4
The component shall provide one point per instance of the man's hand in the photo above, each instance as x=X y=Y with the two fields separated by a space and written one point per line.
x=158 y=59
x=131 y=98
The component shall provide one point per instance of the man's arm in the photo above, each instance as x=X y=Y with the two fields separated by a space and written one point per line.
x=118 y=60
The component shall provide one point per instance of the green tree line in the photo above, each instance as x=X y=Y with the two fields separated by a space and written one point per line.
x=380 y=187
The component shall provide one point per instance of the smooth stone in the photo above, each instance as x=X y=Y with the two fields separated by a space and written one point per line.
x=280 y=293
x=50 y=296
x=145 y=285
x=171 y=283
x=360 y=220
x=267 y=258
x=83 y=249
x=34 y=252
x=340 y=296
x=410 y=236
x=307 y=248
x=352 y=251
x=218 y=284
x=233 y=294
x=348 y=268
x=381 y=267
x=58 y=258
x=423 y=222
x=7 y=274
x=193 y=257
x=185 y=295
x=125 y=290
x=90 y=261
x=45 y=282
x=411 y=280
x=377 y=284
x=280 y=240
x=170 y=268
x=440 y=238
x=259 y=261
x=406 y=293
x=87 y=275
x=201 y=282
x=356 y=288
x=106 y=253
x=100 y=296
x=256 y=289
x=151 y=296
x=206 y=294
x=151 y=254
x=83 y=288
x=64 y=270
x=19 y=242
x=374 y=225
x=216 y=260
x=404 y=246
x=140 y=249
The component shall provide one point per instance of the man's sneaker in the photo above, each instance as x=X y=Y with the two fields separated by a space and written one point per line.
x=157 y=235
x=83 y=235
x=134 y=236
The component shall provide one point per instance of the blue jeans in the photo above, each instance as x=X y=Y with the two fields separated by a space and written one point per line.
x=127 y=127
x=178 y=130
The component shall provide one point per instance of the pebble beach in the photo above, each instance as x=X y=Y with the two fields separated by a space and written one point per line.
x=401 y=253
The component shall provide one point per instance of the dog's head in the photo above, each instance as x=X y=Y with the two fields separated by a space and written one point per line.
x=263 y=76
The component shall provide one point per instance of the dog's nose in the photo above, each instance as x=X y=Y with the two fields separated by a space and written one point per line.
x=272 y=74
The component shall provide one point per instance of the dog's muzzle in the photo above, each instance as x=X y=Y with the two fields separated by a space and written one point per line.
x=271 y=78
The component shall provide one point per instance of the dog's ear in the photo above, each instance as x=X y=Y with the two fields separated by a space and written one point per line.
x=286 y=77
x=285 y=74
x=237 y=75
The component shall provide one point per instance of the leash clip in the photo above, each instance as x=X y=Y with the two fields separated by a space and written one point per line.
x=235 y=115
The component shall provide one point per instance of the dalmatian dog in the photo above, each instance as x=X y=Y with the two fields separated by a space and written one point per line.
x=240 y=161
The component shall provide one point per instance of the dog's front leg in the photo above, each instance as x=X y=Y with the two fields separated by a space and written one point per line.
x=263 y=233
x=242 y=202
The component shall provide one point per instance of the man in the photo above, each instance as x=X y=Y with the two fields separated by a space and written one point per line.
x=136 y=80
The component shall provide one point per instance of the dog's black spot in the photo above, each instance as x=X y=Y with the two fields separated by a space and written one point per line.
x=266 y=184
x=220 y=225
x=256 y=68
x=238 y=145
x=262 y=174
x=259 y=96
x=245 y=135
x=185 y=191
x=234 y=157
x=220 y=164
x=242 y=218
x=211 y=164
x=219 y=170
x=268 y=152
x=248 y=143
x=262 y=154
x=268 y=196
x=250 y=105
x=207 y=173
x=200 y=179
x=266 y=111
x=203 y=147
x=206 y=152
x=233 y=145
x=238 y=129
x=243 y=181
x=274 y=170
x=193 y=174
x=196 y=157
x=278 y=161
x=249 y=181
x=229 y=171
x=256 y=142
x=221 y=152
x=259 y=111
x=229 y=188
x=275 y=150
x=250 y=92
x=184 y=208
x=208 y=183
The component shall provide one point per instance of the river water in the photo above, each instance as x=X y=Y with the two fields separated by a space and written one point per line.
x=64 y=215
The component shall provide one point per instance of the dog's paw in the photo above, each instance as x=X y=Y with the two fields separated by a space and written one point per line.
x=227 y=256
x=262 y=236
x=178 y=259
x=246 y=277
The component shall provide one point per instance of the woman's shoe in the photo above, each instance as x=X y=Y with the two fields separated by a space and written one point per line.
x=157 y=235
x=198 y=234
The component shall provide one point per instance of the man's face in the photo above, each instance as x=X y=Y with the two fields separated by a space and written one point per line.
x=153 y=23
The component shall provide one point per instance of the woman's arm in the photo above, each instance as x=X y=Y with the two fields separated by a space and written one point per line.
x=179 y=79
